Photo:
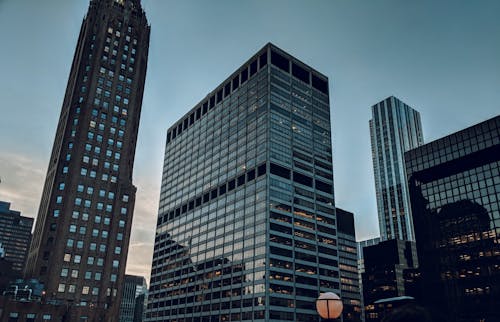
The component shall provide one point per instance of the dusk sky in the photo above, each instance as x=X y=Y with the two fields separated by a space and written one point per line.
x=440 y=57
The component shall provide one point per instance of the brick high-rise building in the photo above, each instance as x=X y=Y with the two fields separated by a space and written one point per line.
x=80 y=243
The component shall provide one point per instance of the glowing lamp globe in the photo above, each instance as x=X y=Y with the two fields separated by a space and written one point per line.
x=329 y=305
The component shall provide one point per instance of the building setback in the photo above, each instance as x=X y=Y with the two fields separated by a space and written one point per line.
x=15 y=236
x=348 y=265
x=81 y=237
x=455 y=195
x=246 y=225
x=394 y=128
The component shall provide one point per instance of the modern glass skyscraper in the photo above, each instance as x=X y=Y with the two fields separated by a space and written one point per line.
x=394 y=129
x=246 y=225
x=455 y=197
x=80 y=242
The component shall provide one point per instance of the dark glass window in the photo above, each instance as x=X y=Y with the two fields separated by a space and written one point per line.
x=319 y=84
x=244 y=75
x=280 y=171
x=300 y=73
x=263 y=60
x=227 y=89
x=280 y=61
x=302 y=179
x=236 y=82
x=253 y=68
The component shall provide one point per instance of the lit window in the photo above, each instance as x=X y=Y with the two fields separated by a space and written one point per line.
x=85 y=290
x=61 y=288
x=67 y=257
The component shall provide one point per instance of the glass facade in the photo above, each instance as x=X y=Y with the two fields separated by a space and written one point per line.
x=348 y=265
x=394 y=129
x=455 y=195
x=246 y=226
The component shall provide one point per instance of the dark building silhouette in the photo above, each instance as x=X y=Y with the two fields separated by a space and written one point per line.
x=80 y=242
x=350 y=291
x=15 y=236
x=455 y=195
x=387 y=266
x=246 y=224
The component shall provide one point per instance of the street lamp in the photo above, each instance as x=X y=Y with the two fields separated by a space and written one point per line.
x=329 y=305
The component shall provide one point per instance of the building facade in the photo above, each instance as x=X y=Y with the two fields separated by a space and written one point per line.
x=394 y=129
x=388 y=265
x=81 y=237
x=246 y=225
x=455 y=195
x=15 y=236
x=361 y=266
x=133 y=299
x=348 y=266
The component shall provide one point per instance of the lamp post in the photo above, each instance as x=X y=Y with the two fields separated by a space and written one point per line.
x=329 y=306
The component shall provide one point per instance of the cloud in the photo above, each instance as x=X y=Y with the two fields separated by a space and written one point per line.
x=143 y=227
x=22 y=182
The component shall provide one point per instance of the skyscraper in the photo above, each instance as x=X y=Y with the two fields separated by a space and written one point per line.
x=80 y=243
x=246 y=225
x=134 y=293
x=394 y=128
x=15 y=235
x=348 y=265
x=455 y=197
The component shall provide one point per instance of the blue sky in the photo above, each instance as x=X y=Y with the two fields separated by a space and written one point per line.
x=440 y=57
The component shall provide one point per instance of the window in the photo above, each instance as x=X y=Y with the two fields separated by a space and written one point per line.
x=59 y=199
x=97 y=276
x=64 y=272
x=70 y=242
x=74 y=273
x=77 y=259
x=72 y=229
x=90 y=261
x=118 y=250
x=61 y=288
x=72 y=288
x=115 y=263
x=85 y=290
x=67 y=257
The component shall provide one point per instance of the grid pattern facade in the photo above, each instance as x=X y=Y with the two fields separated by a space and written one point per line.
x=455 y=194
x=80 y=242
x=246 y=225
x=394 y=129
x=15 y=236
x=133 y=288
x=348 y=266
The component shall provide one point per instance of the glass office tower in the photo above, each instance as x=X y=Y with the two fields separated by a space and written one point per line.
x=455 y=196
x=394 y=129
x=246 y=225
